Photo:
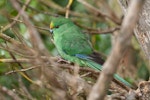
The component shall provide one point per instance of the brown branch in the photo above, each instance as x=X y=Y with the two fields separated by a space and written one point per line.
x=17 y=47
x=95 y=74
x=21 y=70
x=41 y=28
x=122 y=42
x=95 y=31
x=107 y=31
x=91 y=72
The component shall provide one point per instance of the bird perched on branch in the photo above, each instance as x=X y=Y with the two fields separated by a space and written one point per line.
x=74 y=46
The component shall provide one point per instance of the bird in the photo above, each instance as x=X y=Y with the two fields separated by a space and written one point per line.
x=73 y=45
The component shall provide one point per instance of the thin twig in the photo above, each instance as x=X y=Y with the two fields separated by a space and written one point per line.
x=21 y=70
x=41 y=28
x=107 y=31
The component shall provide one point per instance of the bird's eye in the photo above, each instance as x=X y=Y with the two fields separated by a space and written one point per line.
x=51 y=31
x=57 y=26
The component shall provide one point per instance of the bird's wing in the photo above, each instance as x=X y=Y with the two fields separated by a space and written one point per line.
x=75 y=42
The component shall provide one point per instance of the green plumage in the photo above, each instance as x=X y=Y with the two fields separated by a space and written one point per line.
x=73 y=45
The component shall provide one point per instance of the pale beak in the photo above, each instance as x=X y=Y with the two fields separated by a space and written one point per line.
x=51 y=31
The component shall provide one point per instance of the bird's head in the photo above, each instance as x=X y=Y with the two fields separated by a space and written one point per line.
x=57 y=22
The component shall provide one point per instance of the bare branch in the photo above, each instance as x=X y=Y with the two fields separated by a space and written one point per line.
x=107 y=31
x=21 y=70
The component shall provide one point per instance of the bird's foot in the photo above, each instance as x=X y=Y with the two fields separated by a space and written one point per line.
x=61 y=60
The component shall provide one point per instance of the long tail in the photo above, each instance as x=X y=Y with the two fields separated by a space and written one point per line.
x=99 y=67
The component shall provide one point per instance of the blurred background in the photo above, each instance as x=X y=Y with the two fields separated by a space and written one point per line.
x=99 y=19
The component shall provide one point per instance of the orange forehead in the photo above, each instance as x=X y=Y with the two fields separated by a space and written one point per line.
x=51 y=25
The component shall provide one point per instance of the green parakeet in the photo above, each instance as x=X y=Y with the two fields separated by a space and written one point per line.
x=74 y=46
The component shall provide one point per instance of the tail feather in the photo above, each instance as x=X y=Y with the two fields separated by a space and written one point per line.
x=99 y=67
x=94 y=65
x=95 y=61
x=117 y=77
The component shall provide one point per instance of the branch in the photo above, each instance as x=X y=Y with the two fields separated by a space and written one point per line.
x=122 y=42
x=107 y=31
x=41 y=28
x=94 y=73
x=115 y=20
x=17 y=47
x=21 y=70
